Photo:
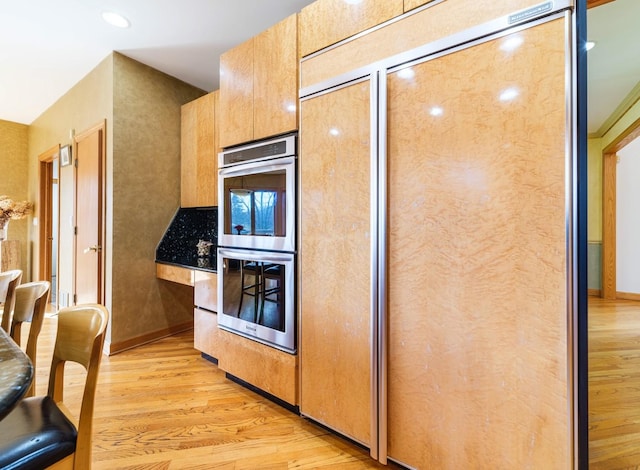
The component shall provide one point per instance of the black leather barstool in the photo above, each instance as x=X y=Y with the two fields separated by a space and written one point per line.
x=271 y=292
x=253 y=269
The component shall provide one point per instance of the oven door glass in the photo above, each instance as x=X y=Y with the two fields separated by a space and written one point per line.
x=256 y=296
x=259 y=208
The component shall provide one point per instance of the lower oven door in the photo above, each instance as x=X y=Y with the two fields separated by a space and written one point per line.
x=256 y=296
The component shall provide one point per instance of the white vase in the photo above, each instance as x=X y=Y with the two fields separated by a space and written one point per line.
x=4 y=228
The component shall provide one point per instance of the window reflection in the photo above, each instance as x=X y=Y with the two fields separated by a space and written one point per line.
x=253 y=212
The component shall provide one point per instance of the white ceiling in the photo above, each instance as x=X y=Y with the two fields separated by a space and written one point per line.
x=614 y=64
x=47 y=46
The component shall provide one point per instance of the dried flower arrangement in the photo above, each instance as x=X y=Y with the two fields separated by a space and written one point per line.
x=10 y=210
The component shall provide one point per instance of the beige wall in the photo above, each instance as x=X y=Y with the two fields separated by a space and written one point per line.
x=89 y=102
x=596 y=145
x=141 y=107
x=146 y=194
x=594 y=197
x=14 y=181
x=632 y=115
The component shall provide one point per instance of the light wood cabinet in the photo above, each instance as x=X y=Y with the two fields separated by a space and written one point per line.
x=275 y=85
x=411 y=4
x=268 y=368
x=172 y=273
x=199 y=152
x=205 y=290
x=326 y=22
x=205 y=318
x=443 y=19
x=335 y=261
x=472 y=297
x=471 y=260
x=205 y=332
x=259 y=85
x=236 y=94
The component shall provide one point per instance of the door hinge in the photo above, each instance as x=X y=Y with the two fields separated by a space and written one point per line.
x=75 y=162
x=75 y=298
x=75 y=230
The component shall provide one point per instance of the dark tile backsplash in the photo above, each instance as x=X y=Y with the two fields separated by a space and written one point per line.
x=189 y=226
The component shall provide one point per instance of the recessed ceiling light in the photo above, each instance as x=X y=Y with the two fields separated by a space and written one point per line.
x=115 y=19
x=589 y=45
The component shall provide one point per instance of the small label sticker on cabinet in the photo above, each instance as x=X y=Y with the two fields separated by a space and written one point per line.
x=530 y=12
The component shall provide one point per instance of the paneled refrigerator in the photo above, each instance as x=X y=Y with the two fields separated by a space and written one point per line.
x=436 y=232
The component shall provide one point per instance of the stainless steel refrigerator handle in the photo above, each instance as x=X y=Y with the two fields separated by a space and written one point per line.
x=373 y=201
x=378 y=445
x=382 y=267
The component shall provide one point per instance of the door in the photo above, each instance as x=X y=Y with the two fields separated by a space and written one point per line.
x=479 y=342
x=89 y=253
x=335 y=261
x=47 y=215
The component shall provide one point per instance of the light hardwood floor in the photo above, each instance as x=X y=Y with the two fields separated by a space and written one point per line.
x=162 y=406
x=614 y=384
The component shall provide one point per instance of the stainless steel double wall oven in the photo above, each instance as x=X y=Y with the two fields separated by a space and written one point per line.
x=257 y=242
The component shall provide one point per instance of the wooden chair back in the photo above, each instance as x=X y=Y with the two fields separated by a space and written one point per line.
x=80 y=339
x=9 y=280
x=30 y=305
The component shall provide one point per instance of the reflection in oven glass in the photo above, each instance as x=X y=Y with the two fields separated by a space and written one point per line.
x=255 y=204
x=254 y=292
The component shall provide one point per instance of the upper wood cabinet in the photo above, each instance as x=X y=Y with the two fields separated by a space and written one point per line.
x=411 y=4
x=199 y=148
x=259 y=85
x=236 y=94
x=326 y=22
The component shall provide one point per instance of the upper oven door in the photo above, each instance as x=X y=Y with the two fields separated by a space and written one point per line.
x=258 y=205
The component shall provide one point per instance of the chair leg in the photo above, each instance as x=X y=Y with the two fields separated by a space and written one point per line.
x=256 y=285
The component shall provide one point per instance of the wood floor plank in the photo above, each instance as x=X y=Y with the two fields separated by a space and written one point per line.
x=614 y=384
x=162 y=406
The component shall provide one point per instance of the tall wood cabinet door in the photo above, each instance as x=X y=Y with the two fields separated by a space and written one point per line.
x=199 y=152
x=478 y=306
x=276 y=79
x=411 y=4
x=236 y=95
x=326 y=22
x=335 y=261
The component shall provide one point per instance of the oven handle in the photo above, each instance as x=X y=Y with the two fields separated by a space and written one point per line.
x=256 y=255
x=240 y=169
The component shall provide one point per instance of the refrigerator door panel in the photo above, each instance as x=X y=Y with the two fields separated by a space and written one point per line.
x=477 y=242
x=335 y=261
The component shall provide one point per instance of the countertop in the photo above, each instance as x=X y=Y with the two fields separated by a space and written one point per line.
x=16 y=373
x=190 y=227
x=201 y=264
